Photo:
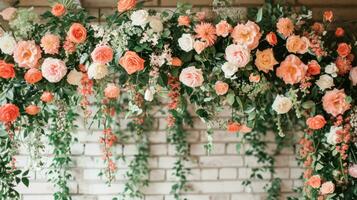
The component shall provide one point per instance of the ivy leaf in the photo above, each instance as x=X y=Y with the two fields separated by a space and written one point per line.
x=230 y=98
x=25 y=181
x=259 y=15
x=319 y=166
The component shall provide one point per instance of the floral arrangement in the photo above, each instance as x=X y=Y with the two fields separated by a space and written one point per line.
x=277 y=69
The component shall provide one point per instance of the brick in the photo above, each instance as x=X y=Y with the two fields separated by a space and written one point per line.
x=227 y=173
x=217 y=187
x=34 y=3
x=327 y=3
x=158 y=149
x=221 y=161
x=295 y=173
x=43 y=188
x=282 y=173
x=157 y=175
x=100 y=188
x=209 y=174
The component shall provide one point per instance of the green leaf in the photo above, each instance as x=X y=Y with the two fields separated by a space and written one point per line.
x=259 y=15
x=231 y=98
x=25 y=181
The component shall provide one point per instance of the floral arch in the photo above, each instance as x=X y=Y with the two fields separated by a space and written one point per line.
x=277 y=70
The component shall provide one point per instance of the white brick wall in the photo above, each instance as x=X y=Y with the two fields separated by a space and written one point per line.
x=213 y=177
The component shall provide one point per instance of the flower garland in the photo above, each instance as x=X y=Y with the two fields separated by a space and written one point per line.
x=276 y=70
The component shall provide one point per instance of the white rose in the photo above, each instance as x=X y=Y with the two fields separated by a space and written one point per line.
x=229 y=69
x=186 y=42
x=332 y=135
x=7 y=44
x=331 y=69
x=156 y=24
x=74 y=77
x=237 y=54
x=149 y=94
x=97 y=71
x=139 y=18
x=282 y=104
x=325 y=82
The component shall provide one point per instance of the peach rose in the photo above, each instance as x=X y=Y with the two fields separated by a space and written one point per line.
x=102 y=54
x=254 y=78
x=9 y=113
x=316 y=123
x=221 y=88
x=184 y=20
x=223 y=28
x=343 y=49
x=328 y=16
x=32 y=110
x=112 y=91
x=50 y=43
x=27 y=54
x=69 y=46
x=8 y=13
x=314 y=181
x=176 y=62
x=77 y=33
x=124 y=5
x=132 y=62
x=191 y=77
x=334 y=102
x=6 y=70
x=313 y=68
x=292 y=70
x=343 y=65
x=307 y=173
x=247 y=34
x=265 y=60
x=295 y=44
x=340 y=32
x=237 y=55
x=33 y=76
x=58 y=10
x=271 y=38
x=199 y=46
x=53 y=69
x=285 y=27
x=234 y=127
x=47 y=97
x=318 y=27
x=353 y=76
x=327 y=188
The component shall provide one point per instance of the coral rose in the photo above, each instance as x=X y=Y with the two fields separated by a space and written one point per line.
x=316 y=123
x=58 y=10
x=292 y=70
x=314 y=181
x=254 y=78
x=199 y=46
x=6 y=70
x=47 y=97
x=27 y=54
x=285 y=27
x=334 y=102
x=265 y=60
x=124 y=5
x=77 y=33
x=328 y=16
x=221 y=88
x=50 y=43
x=33 y=76
x=234 y=127
x=32 y=110
x=353 y=76
x=176 y=62
x=102 y=54
x=343 y=49
x=327 y=188
x=206 y=32
x=238 y=55
x=132 y=62
x=247 y=34
x=271 y=38
x=184 y=20
x=191 y=77
x=313 y=68
x=112 y=91
x=53 y=69
x=223 y=28
x=9 y=113
x=343 y=65
x=8 y=13
x=340 y=32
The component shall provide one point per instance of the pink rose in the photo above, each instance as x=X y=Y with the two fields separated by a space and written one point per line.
x=292 y=70
x=50 y=43
x=334 y=102
x=184 y=20
x=102 y=54
x=352 y=170
x=199 y=46
x=27 y=54
x=53 y=69
x=285 y=27
x=8 y=13
x=353 y=76
x=327 y=188
x=223 y=28
x=221 y=87
x=192 y=77
x=247 y=34
x=238 y=55
x=58 y=10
